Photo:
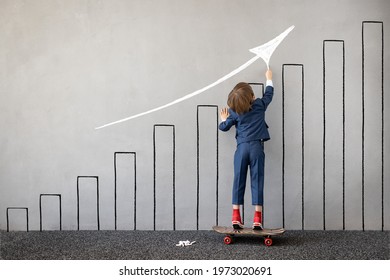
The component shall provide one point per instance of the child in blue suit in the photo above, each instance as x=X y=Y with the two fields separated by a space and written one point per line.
x=247 y=114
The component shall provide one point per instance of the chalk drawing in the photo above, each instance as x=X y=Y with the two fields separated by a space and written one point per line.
x=97 y=199
x=135 y=186
x=173 y=174
x=198 y=163
x=185 y=243
x=264 y=51
x=40 y=208
x=17 y=208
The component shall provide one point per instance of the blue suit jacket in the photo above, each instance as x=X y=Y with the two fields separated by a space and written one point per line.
x=251 y=126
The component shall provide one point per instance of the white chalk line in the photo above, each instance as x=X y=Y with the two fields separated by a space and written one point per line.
x=199 y=91
x=264 y=51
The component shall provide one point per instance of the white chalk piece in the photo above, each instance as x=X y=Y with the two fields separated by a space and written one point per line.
x=185 y=243
x=264 y=51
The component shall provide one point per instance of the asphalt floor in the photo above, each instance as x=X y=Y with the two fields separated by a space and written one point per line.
x=162 y=245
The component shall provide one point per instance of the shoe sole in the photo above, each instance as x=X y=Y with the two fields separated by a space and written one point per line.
x=257 y=226
x=238 y=226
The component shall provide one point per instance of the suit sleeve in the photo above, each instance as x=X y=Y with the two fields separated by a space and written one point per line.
x=226 y=125
x=268 y=95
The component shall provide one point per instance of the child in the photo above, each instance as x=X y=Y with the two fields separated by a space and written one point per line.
x=247 y=113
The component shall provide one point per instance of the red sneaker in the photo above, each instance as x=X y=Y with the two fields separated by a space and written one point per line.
x=257 y=221
x=236 y=219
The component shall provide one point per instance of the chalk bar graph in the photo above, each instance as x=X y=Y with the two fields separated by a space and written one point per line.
x=293 y=188
x=82 y=178
x=59 y=206
x=17 y=208
x=126 y=199
x=206 y=197
x=293 y=126
x=258 y=90
x=334 y=131
x=372 y=97
x=164 y=204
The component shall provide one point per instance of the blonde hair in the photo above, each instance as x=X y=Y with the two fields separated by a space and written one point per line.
x=240 y=98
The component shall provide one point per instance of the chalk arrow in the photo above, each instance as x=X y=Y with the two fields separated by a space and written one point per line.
x=264 y=51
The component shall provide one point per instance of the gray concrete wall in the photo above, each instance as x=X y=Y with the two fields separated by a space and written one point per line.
x=67 y=67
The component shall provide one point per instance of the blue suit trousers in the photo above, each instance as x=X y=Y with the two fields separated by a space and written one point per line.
x=249 y=154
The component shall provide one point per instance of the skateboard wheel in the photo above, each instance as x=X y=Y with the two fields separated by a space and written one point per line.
x=227 y=240
x=268 y=241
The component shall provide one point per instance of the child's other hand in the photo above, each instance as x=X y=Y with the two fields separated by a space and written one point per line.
x=224 y=114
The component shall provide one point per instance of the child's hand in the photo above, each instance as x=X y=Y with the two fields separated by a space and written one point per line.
x=224 y=114
x=268 y=75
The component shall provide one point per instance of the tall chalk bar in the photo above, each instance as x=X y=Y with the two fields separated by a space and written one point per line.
x=17 y=208
x=50 y=211
x=373 y=125
x=293 y=152
x=247 y=212
x=89 y=202
x=125 y=189
x=207 y=117
x=164 y=169
x=333 y=134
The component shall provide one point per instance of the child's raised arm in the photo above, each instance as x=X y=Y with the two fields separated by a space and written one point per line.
x=269 y=89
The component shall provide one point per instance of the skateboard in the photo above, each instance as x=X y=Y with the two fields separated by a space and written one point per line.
x=230 y=232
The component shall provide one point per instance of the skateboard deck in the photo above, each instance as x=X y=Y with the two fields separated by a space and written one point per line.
x=230 y=232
